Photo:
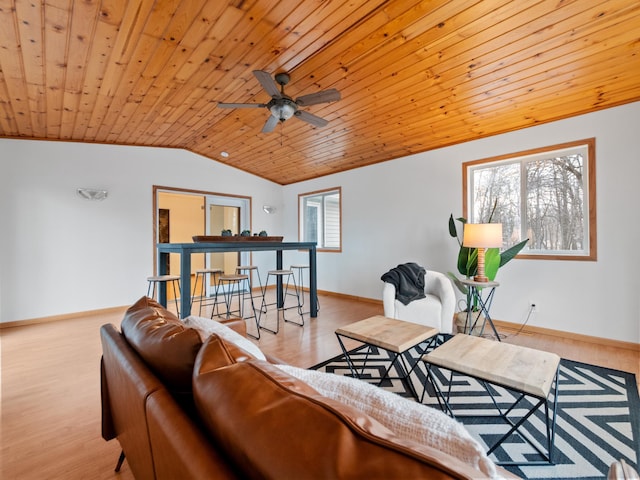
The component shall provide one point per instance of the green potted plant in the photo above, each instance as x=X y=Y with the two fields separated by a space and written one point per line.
x=467 y=263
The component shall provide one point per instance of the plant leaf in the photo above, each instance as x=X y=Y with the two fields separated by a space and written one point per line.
x=472 y=262
x=463 y=256
x=463 y=288
x=491 y=263
x=512 y=252
x=452 y=227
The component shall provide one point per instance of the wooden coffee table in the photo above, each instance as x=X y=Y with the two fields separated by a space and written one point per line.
x=523 y=370
x=394 y=336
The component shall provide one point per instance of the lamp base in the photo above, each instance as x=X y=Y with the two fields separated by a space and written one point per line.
x=481 y=278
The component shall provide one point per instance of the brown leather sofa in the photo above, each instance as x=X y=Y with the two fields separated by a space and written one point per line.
x=184 y=409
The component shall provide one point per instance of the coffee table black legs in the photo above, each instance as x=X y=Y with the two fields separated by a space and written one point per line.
x=550 y=414
x=402 y=364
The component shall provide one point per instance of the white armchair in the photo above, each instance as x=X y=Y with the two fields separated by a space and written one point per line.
x=435 y=310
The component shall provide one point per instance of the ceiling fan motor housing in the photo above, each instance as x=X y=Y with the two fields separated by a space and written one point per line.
x=282 y=78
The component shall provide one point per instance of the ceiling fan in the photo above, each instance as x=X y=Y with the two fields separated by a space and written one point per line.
x=282 y=106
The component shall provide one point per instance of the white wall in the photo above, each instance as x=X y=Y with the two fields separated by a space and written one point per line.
x=61 y=254
x=397 y=211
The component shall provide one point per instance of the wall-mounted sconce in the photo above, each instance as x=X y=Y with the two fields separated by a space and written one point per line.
x=92 y=193
x=268 y=209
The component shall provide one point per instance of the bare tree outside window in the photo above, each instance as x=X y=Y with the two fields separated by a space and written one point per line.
x=546 y=195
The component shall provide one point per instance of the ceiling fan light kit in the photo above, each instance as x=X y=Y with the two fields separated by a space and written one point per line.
x=283 y=107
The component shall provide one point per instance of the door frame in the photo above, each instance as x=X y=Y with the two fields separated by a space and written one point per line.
x=156 y=189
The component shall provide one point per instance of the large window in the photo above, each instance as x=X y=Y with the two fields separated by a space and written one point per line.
x=546 y=195
x=320 y=218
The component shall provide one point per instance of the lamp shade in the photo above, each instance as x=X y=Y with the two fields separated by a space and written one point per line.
x=482 y=235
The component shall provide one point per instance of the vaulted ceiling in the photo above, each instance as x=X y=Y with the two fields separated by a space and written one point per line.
x=413 y=75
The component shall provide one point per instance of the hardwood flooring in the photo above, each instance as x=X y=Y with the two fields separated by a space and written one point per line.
x=50 y=384
x=51 y=402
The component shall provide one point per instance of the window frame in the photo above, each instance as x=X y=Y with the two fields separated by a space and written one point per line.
x=590 y=195
x=323 y=192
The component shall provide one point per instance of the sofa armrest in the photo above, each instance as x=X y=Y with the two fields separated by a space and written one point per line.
x=129 y=382
x=180 y=449
x=108 y=429
x=388 y=299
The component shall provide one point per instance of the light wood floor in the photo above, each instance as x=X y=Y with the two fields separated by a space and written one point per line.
x=51 y=388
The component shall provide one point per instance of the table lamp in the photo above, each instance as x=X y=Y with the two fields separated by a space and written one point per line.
x=482 y=236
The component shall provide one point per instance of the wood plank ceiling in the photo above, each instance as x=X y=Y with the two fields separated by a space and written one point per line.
x=413 y=75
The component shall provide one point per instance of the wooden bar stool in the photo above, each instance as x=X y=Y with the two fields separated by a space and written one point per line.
x=300 y=284
x=157 y=279
x=230 y=286
x=282 y=275
x=247 y=270
x=206 y=274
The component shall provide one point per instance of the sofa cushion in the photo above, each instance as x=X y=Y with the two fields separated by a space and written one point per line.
x=207 y=327
x=167 y=346
x=272 y=425
x=404 y=417
x=217 y=353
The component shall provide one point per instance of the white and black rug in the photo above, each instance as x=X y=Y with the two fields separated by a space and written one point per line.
x=598 y=419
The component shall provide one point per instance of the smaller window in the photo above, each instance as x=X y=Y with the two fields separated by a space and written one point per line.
x=320 y=219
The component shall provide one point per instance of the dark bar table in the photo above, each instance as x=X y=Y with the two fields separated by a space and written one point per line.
x=185 y=250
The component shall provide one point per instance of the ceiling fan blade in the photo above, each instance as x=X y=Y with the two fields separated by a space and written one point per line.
x=268 y=83
x=242 y=105
x=270 y=124
x=325 y=96
x=311 y=118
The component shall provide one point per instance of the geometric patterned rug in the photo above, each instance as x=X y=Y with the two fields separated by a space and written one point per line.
x=598 y=416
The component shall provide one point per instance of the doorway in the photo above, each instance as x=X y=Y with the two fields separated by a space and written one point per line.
x=199 y=213
x=227 y=213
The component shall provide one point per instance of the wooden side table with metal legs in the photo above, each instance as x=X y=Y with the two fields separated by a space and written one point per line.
x=475 y=298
